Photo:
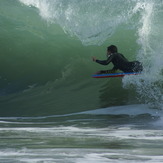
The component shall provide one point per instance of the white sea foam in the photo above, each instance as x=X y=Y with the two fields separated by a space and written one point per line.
x=91 y=21
x=149 y=84
x=124 y=137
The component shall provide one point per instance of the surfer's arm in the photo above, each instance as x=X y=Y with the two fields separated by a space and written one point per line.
x=104 y=62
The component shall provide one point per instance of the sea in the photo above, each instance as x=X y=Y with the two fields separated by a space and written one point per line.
x=52 y=110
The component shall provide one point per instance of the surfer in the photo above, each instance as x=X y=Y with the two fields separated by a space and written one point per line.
x=119 y=62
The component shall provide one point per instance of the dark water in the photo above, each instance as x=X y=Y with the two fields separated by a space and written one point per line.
x=51 y=110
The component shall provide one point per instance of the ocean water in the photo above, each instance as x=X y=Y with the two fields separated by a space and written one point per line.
x=52 y=110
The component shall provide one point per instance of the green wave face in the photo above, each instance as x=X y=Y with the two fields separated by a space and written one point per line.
x=46 y=49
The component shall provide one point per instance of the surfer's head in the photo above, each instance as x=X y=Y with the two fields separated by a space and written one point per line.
x=112 y=49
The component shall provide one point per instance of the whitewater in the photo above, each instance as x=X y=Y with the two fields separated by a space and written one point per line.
x=52 y=110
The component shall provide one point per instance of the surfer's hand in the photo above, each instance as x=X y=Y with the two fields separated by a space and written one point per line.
x=94 y=59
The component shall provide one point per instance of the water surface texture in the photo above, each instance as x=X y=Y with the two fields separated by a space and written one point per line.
x=52 y=110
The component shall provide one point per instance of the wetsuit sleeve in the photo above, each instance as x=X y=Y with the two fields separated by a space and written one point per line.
x=105 y=62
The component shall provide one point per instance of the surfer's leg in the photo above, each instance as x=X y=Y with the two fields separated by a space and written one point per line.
x=137 y=66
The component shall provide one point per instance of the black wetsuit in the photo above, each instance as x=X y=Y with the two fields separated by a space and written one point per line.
x=121 y=63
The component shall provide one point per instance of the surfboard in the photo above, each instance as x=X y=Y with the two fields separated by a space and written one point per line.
x=111 y=75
